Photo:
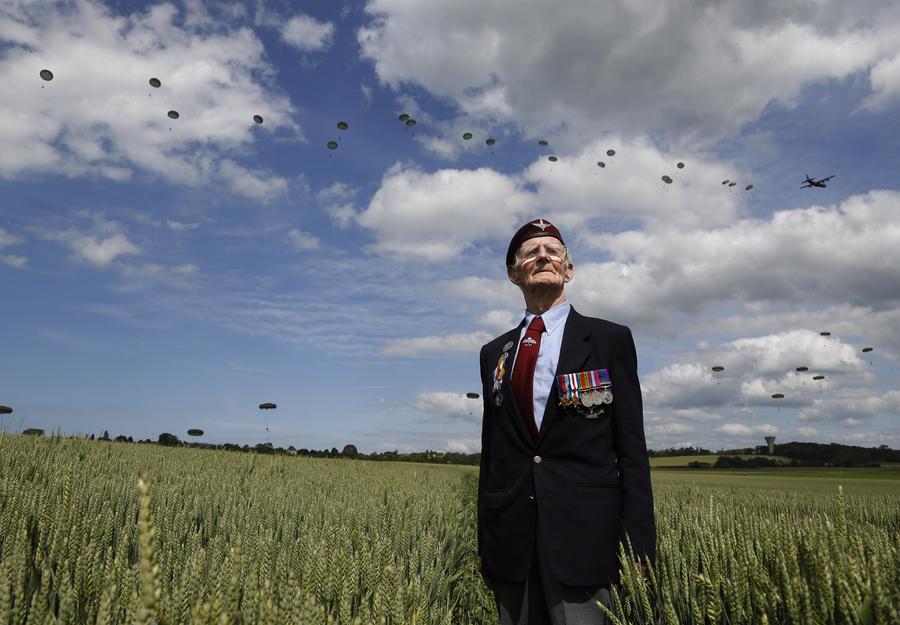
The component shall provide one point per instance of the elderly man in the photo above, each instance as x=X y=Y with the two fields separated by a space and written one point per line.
x=564 y=469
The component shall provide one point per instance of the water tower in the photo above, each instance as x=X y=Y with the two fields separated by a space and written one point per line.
x=770 y=441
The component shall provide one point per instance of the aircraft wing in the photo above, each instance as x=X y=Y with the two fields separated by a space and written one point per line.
x=826 y=179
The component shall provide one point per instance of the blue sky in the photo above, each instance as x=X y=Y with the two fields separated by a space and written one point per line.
x=165 y=274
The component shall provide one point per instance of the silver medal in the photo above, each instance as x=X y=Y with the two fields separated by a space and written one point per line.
x=498 y=399
x=587 y=400
x=606 y=396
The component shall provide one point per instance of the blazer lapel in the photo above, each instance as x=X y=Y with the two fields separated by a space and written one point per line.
x=573 y=353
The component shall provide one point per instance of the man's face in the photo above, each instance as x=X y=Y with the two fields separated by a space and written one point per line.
x=541 y=264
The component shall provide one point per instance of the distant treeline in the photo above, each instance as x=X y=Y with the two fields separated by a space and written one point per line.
x=835 y=455
x=736 y=462
x=679 y=451
x=799 y=454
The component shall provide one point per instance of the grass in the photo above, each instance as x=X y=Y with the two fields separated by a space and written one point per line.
x=208 y=537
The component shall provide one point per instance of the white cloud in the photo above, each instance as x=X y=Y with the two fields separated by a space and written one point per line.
x=97 y=249
x=436 y=217
x=852 y=406
x=498 y=292
x=667 y=429
x=442 y=343
x=463 y=444
x=688 y=70
x=303 y=240
x=252 y=183
x=337 y=192
x=755 y=369
x=498 y=321
x=101 y=252
x=17 y=262
x=178 y=226
x=739 y=429
x=885 y=78
x=443 y=405
x=846 y=253
x=140 y=275
x=307 y=33
x=577 y=191
x=342 y=215
x=95 y=118
x=7 y=240
x=338 y=203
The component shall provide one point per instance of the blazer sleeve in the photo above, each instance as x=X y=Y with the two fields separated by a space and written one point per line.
x=631 y=450
x=485 y=460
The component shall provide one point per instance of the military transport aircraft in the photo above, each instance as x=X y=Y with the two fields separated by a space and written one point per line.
x=812 y=182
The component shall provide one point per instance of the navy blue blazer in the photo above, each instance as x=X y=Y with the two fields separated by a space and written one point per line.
x=583 y=484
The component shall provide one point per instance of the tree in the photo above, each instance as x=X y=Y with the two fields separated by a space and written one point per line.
x=350 y=451
x=168 y=440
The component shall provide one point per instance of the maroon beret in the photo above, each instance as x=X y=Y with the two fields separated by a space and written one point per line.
x=536 y=228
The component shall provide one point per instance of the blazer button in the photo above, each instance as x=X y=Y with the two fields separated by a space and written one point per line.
x=531 y=499
x=537 y=459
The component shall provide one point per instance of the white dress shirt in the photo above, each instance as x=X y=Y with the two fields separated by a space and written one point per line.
x=548 y=356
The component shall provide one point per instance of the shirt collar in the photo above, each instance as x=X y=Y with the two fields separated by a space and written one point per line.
x=553 y=318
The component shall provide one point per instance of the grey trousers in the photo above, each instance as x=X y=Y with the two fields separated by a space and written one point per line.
x=541 y=599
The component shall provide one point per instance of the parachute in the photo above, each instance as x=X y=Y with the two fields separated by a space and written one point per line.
x=5 y=410
x=732 y=183
x=748 y=187
x=610 y=152
x=818 y=377
x=467 y=135
x=601 y=164
x=778 y=396
x=410 y=122
x=866 y=350
x=802 y=369
x=155 y=83
x=258 y=119
x=726 y=181
x=825 y=333
x=403 y=117
x=552 y=159
x=667 y=179
x=173 y=114
x=267 y=406
x=718 y=368
x=332 y=145
x=47 y=75
x=195 y=432
x=680 y=165
x=343 y=125
x=542 y=143
x=473 y=395
x=491 y=141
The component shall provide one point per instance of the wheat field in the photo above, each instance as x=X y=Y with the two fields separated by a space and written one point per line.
x=94 y=532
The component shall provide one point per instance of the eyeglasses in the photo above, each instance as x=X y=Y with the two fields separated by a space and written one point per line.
x=554 y=252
